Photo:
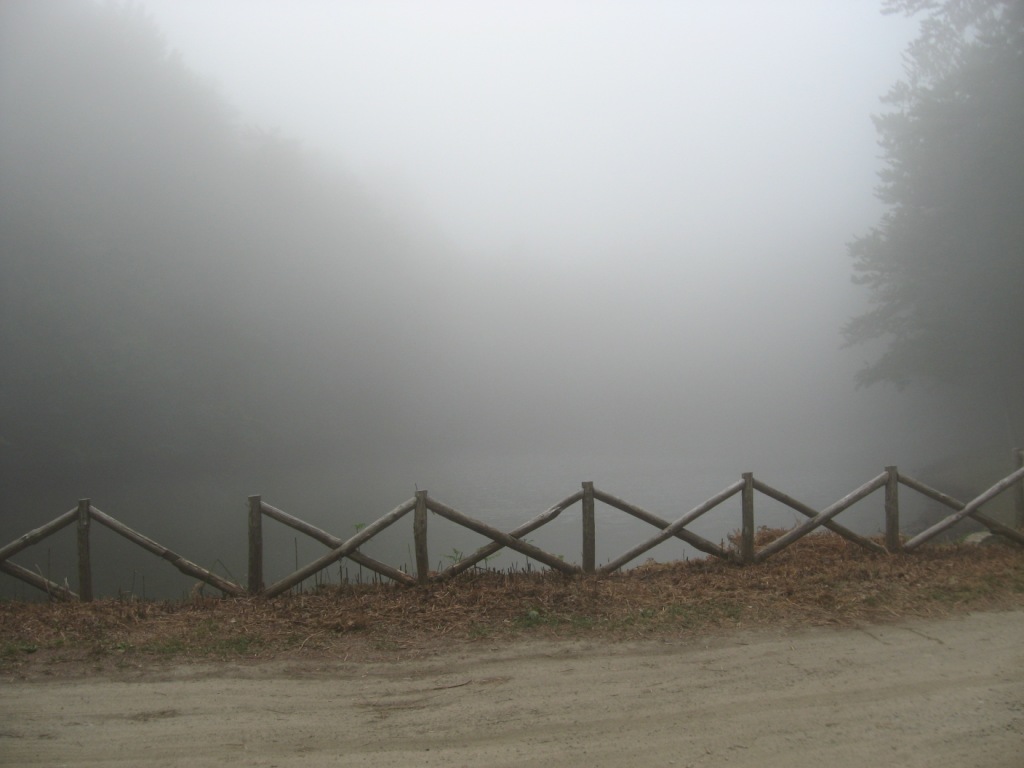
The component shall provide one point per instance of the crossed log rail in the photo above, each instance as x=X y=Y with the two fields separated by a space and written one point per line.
x=84 y=514
x=744 y=553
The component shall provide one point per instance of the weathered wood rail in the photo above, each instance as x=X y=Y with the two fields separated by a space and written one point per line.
x=744 y=553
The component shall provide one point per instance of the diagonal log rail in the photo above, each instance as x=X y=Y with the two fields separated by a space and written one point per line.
x=673 y=529
x=40 y=533
x=55 y=591
x=891 y=479
x=693 y=539
x=993 y=525
x=185 y=566
x=810 y=512
x=530 y=525
x=968 y=509
x=822 y=517
x=333 y=542
x=40 y=582
x=337 y=553
x=502 y=538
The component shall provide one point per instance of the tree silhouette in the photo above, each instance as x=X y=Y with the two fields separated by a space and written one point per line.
x=945 y=266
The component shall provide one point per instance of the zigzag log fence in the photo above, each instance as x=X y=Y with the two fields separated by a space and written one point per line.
x=745 y=554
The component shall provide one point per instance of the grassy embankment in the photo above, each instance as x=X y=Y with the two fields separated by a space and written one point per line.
x=821 y=580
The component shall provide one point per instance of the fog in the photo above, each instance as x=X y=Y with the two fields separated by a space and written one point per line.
x=331 y=252
x=644 y=209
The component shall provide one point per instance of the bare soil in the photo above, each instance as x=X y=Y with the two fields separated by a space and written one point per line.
x=824 y=654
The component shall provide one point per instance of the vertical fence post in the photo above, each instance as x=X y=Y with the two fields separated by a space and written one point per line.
x=747 y=530
x=589 y=528
x=892 y=510
x=1018 y=490
x=419 y=533
x=84 y=556
x=255 y=545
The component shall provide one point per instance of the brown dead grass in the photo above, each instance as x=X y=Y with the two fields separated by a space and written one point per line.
x=822 y=579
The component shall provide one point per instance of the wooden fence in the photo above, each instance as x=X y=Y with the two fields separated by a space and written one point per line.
x=745 y=553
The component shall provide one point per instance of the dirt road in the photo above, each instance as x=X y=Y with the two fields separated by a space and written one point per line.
x=942 y=693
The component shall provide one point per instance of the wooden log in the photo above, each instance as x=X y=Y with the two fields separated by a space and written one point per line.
x=401 y=577
x=589 y=528
x=337 y=553
x=969 y=508
x=331 y=541
x=674 y=528
x=1018 y=490
x=185 y=566
x=255 y=580
x=55 y=591
x=530 y=525
x=892 y=510
x=698 y=542
x=40 y=533
x=821 y=518
x=930 y=492
x=964 y=509
x=747 y=528
x=500 y=536
x=992 y=524
x=807 y=511
x=84 y=555
x=419 y=534
x=300 y=525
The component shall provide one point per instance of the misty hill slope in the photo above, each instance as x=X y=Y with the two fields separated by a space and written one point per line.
x=177 y=288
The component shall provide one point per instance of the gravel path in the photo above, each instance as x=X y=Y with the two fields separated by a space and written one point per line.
x=938 y=693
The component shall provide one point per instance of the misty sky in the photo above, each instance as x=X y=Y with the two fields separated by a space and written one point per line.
x=569 y=133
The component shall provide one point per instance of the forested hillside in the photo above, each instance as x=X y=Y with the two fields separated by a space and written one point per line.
x=179 y=289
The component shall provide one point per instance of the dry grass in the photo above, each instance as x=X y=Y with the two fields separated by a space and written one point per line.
x=820 y=580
